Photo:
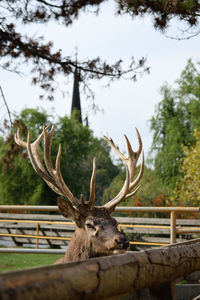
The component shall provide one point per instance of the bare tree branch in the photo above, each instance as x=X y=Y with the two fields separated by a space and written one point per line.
x=17 y=49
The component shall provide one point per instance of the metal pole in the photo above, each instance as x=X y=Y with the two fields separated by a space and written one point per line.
x=37 y=233
x=172 y=227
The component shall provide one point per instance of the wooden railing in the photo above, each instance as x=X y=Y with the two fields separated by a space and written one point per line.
x=108 y=277
x=40 y=223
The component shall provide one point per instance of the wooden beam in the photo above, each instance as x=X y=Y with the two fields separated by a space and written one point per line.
x=15 y=208
x=172 y=227
x=103 y=277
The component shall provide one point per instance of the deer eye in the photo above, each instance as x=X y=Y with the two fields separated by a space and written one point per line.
x=90 y=226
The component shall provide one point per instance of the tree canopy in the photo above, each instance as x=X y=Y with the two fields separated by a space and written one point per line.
x=19 y=183
x=187 y=192
x=176 y=117
x=46 y=62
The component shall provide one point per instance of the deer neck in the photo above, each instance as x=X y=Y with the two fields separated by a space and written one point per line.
x=80 y=248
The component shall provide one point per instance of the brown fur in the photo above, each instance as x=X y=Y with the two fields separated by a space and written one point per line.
x=96 y=234
x=96 y=231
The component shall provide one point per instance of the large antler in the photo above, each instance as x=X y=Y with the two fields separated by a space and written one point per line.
x=52 y=176
x=130 y=163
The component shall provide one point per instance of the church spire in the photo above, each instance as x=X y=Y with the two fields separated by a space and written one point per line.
x=76 y=103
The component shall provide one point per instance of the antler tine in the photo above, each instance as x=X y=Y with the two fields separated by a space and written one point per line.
x=140 y=142
x=115 y=148
x=18 y=139
x=35 y=159
x=54 y=177
x=130 y=163
x=132 y=155
x=133 y=192
x=61 y=183
x=122 y=156
x=140 y=174
x=47 y=149
x=34 y=155
x=131 y=159
x=34 y=145
x=92 y=184
x=121 y=195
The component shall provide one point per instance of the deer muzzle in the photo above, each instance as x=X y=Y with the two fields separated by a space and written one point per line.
x=122 y=242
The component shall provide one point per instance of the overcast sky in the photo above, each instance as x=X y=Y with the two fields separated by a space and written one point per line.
x=126 y=104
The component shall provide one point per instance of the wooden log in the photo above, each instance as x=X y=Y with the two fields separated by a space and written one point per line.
x=103 y=277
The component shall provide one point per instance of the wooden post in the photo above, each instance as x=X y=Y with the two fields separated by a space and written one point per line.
x=172 y=227
x=37 y=233
x=165 y=291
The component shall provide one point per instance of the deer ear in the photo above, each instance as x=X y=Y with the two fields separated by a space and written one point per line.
x=67 y=210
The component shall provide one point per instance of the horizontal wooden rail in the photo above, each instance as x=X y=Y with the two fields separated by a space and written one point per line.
x=188 y=230
x=144 y=226
x=37 y=221
x=103 y=277
x=148 y=243
x=172 y=228
x=157 y=209
x=125 y=209
x=73 y=224
x=16 y=208
x=36 y=236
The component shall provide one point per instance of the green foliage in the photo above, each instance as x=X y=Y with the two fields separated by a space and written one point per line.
x=34 y=119
x=187 y=192
x=19 y=183
x=175 y=119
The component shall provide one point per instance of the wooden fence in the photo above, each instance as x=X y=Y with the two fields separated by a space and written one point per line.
x=106 y=277
x=55 y=231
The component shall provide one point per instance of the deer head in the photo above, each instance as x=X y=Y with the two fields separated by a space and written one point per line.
x=96 y=231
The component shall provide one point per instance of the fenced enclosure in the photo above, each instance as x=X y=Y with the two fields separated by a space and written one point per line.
x=54 y=231
x=22 y=226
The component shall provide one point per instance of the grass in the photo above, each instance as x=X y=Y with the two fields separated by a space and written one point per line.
x=16 y=261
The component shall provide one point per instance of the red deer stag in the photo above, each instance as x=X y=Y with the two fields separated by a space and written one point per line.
x=96 y=231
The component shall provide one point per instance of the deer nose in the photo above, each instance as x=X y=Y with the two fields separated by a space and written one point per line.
x=123 y=243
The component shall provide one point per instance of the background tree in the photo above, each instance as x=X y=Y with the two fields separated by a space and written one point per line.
x=176 y=117
x=19 y=184
x=187 y=192
x=19 y=49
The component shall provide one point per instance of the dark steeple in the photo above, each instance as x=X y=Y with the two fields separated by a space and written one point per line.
x=76 y=103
